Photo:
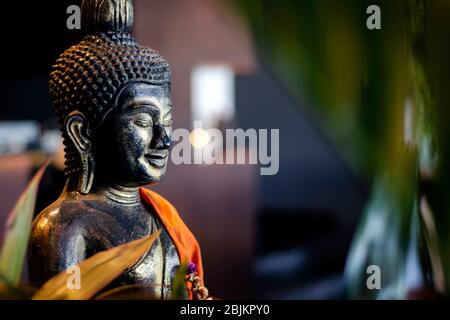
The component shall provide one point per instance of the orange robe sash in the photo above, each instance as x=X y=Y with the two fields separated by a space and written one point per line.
x=187 y=246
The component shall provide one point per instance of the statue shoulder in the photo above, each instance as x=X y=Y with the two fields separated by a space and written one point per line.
x=69 y=220
x=66 y=221
x=61 y=214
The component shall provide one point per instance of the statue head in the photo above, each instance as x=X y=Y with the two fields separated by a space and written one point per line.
x=112 y=99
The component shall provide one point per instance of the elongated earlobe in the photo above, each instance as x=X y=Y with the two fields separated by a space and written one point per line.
x=77 y=129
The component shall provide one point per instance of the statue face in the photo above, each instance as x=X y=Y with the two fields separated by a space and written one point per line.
x=132 y=145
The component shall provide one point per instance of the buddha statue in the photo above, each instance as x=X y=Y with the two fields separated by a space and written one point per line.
x=112 y=99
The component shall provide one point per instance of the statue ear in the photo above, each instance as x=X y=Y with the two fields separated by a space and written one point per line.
x=77 y=128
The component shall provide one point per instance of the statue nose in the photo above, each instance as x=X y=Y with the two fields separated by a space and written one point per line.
x=166 y=142
x=162 y=140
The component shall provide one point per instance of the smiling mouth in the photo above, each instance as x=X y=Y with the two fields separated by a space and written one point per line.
x=157 y=160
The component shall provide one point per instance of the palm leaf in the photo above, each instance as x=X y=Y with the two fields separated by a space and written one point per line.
x=13 y=251
x=97 y=271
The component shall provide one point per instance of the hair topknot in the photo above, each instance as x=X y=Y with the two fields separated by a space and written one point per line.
x=88 y=76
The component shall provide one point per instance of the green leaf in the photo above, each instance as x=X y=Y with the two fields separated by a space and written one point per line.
x=96 y=272
x=386 y=232
x=13 y=251
x=8 y=292
x=179 y=290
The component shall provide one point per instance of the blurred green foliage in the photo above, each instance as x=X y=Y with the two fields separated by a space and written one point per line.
x=324 y=53
x=382 y=98
x=17 y=232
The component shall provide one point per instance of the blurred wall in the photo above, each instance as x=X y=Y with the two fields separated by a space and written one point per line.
x=217 y=202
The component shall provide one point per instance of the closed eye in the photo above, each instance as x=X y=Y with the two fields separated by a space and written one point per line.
x=167 y=121
x=144 y=120
x=143 y=124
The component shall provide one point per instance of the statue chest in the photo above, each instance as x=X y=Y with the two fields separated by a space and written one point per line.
x=154 y=273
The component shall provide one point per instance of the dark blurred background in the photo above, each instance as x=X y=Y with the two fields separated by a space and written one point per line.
x=283 y=236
